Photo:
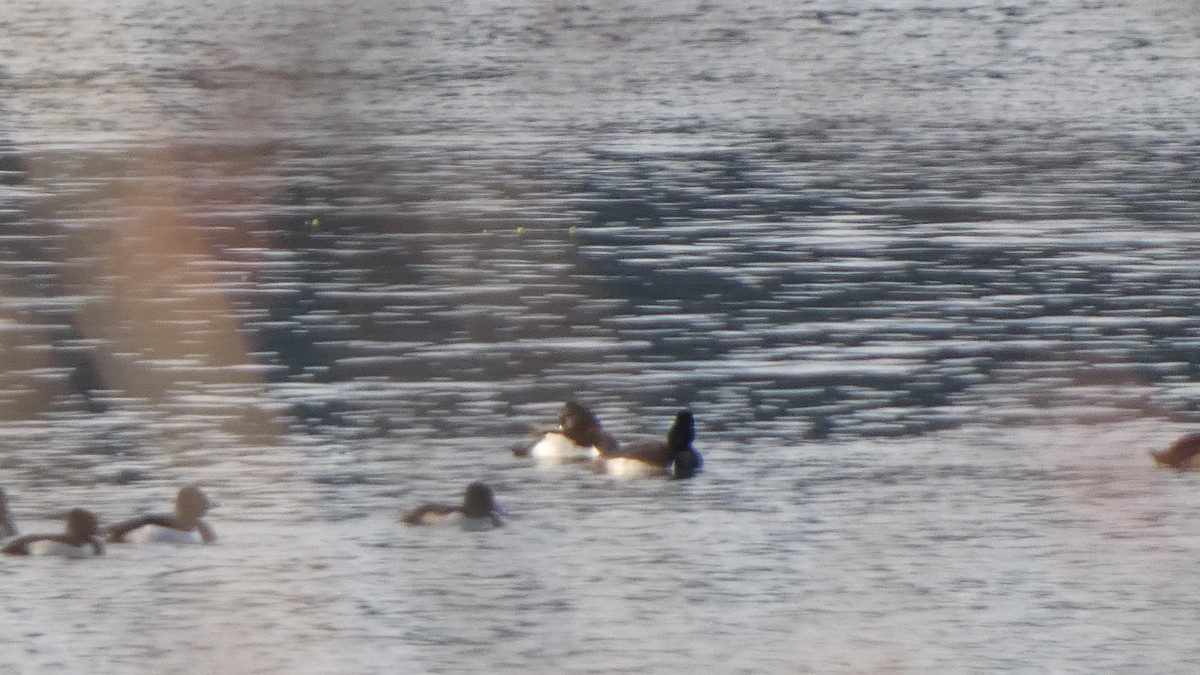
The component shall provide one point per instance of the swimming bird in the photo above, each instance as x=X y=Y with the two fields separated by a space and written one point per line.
x=1183 y=454
x=579 y=437
x=184 y=526
x=477 y=512
x=7 y=528
x=78 y=541
x=675 y=457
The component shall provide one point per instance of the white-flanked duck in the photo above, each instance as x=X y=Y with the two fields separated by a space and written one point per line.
x=80 y=539
x=478 y=511
x=674 y=457
x=579 y=437
x=1183 y=454
x=184 y=526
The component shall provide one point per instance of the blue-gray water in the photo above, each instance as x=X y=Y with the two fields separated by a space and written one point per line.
x=925 y=272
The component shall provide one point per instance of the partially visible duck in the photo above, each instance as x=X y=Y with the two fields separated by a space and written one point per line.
x=7 y=528
x=675 y=457
x=1183 y=454
x=478 y=511
x=579 y=437
x=78 y=541
x=184 y=526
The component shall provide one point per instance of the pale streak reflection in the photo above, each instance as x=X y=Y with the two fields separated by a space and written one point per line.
x=170 y=374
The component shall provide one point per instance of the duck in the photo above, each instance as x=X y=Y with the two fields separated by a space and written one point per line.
x=579 y=437
x=7 y=528
x=79 y=540
x=478 y=511
x=674 y=457
x=1183 y=454
x=184 y=526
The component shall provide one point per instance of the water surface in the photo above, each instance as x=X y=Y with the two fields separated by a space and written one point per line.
x=924 y=274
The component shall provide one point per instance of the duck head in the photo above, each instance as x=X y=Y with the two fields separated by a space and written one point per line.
x=191 y=504
x=81 y=526
x=478 y=501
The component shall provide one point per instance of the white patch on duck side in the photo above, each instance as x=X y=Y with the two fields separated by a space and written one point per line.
x=457 y=519
x=624 y=467
x=157 y=534
x=58 y=548
x=556 y=447
x=434 y=517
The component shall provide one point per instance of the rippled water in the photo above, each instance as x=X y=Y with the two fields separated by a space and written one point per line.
x=924 y=272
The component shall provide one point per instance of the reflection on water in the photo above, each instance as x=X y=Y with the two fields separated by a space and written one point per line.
x=924 y=277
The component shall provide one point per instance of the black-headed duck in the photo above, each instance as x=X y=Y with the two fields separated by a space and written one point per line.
x=674 y=457
x=579 y=437
x=184 y=526
x=478 y=511
x=79 y=540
